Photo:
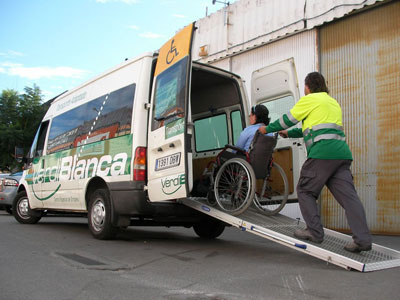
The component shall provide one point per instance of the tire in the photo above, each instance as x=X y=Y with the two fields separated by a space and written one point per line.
x=99 y=215
x=234 y=186
x=209 y=228
x=274 y=193
x=22 y=211
x=9 y=210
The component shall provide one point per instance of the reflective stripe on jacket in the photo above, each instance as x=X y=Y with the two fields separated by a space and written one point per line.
x=328 y=131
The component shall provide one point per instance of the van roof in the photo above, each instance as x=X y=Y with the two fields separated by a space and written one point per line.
x=113 y=69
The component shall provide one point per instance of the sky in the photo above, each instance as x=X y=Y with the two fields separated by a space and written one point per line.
x=59 y=44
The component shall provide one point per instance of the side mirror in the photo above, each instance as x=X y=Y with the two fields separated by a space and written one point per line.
x=27 y=162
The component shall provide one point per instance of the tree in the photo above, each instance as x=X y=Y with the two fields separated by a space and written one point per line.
x=9 y=101
x=20 y=116
x=9 y=133
x=31 y=112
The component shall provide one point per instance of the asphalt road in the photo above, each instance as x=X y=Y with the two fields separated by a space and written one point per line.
x=58 y=259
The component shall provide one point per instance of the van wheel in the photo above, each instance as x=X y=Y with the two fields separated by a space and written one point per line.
x=22 y=211
x=209 y=228
x=100 y=216
x=9 y=210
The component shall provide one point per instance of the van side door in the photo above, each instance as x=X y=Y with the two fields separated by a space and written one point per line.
x=168 y=151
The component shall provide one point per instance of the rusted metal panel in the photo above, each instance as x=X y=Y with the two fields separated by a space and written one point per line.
x=360 y=57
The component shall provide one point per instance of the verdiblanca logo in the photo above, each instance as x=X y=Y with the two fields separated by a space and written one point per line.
x=172 y=185
x=72 y=168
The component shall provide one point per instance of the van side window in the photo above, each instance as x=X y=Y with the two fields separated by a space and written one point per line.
x=237 y=126
x=211 y=133
x=169 y=99
x=38 y=142
x=103 y=118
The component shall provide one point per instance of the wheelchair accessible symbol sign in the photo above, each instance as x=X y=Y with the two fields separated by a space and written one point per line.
x=172 y=53
x=175 y=49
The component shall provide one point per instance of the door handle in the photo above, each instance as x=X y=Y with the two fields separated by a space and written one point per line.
x=159 y=149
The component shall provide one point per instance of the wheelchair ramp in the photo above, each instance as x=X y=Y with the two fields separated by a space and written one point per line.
x=280 y=229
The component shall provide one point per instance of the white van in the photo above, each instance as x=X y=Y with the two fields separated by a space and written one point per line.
x=126 y=145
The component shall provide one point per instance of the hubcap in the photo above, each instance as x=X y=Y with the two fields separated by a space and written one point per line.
x=23 y=208
x=98 y=215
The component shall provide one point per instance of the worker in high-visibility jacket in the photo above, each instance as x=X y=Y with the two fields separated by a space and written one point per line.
x=328 y=162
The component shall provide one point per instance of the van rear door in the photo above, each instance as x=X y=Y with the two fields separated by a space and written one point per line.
x=276 y=87
x=168 y=132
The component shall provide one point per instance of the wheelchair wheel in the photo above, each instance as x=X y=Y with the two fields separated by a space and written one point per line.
x=234 y=186
x=274 y=192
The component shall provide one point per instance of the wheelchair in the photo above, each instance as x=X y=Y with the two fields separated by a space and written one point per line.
x=238 y=179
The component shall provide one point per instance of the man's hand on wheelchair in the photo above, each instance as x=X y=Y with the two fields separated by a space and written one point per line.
x=283 y=133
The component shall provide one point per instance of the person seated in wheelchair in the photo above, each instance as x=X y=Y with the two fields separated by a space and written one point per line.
x=259 y=116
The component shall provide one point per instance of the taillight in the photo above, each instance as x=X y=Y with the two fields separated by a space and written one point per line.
x=139 y=164
x=10 y=182
x=7 y=182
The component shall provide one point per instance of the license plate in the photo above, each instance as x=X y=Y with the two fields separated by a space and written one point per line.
x=169 y=161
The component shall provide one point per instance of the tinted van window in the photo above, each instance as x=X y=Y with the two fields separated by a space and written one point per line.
x=103 y=118
x=169 y=102
x=211 y=133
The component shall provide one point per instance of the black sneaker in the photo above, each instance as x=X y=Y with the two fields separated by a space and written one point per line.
x=356 y=248
x=304 y=234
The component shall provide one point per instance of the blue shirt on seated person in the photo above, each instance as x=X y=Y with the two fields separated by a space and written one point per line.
x=258 y=117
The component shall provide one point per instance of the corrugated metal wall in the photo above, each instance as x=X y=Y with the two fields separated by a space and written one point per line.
x=360 y=57
x=318 y=12
x=246 y=24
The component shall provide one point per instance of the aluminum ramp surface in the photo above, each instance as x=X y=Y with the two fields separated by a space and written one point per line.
x=280 y=229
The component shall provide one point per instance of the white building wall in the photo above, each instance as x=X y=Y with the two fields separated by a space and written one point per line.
x=302 y=47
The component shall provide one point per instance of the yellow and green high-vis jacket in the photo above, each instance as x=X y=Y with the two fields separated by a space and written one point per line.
x=322 y=129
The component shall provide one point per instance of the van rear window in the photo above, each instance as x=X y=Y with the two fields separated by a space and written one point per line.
x=102 y=118
x=169 y=99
